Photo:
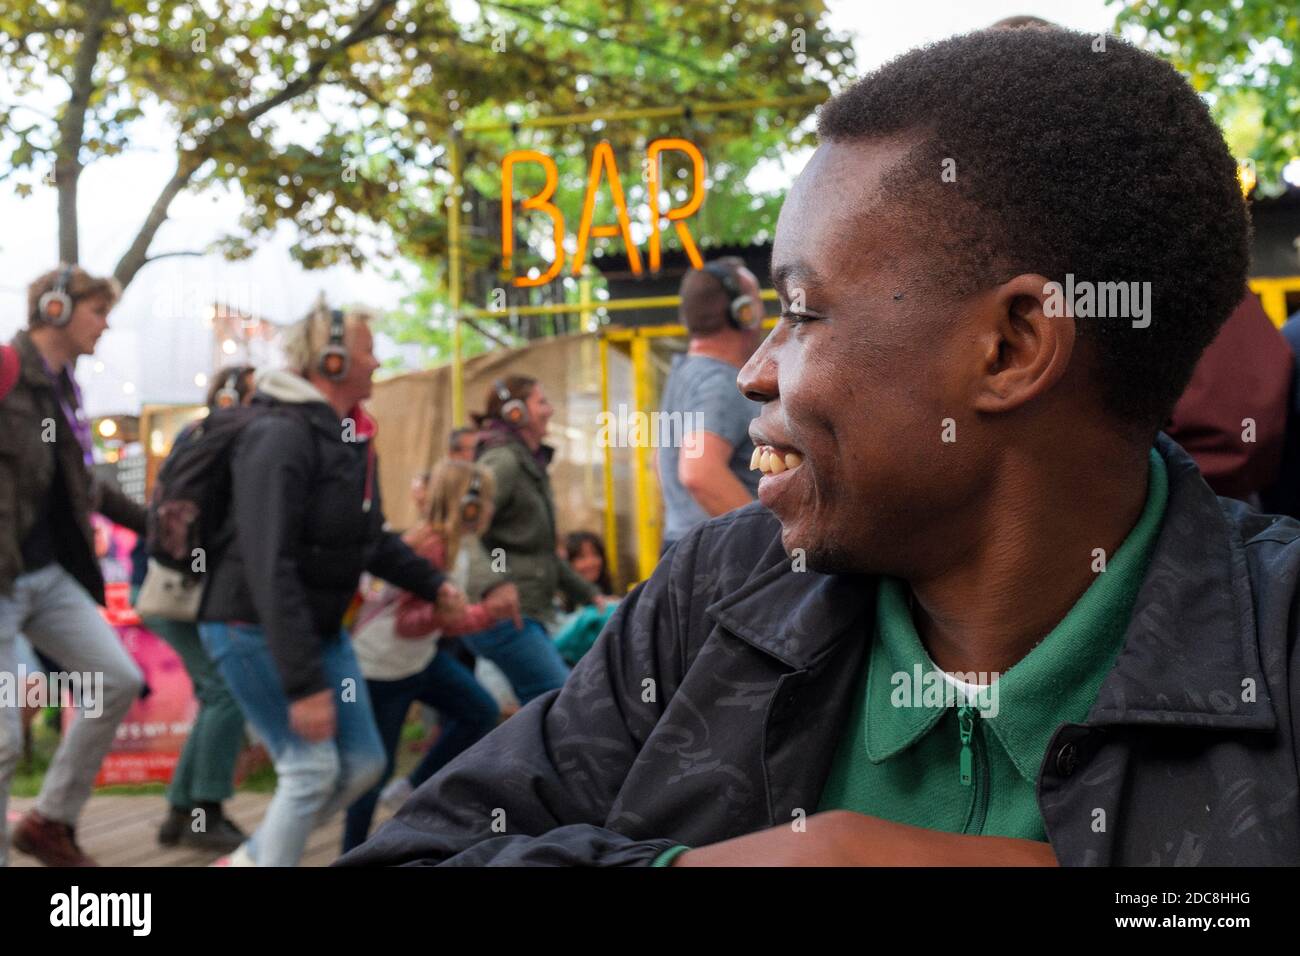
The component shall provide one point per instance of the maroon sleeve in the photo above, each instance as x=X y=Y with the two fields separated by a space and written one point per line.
x=1244 y=374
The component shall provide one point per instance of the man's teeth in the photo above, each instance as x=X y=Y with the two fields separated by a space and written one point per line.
x=772 y=462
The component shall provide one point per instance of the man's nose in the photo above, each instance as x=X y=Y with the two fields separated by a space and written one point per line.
x=757 y=380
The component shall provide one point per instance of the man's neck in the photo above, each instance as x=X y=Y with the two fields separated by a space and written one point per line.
x=53 y=349
x=728 y=346
x=340 y=402
x=1030 y=558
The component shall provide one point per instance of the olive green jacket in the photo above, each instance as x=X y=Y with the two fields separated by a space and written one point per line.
x=523 y=527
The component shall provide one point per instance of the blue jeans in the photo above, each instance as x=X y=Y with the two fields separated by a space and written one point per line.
x=314 y=780
x=467 y=711
x=528 y=658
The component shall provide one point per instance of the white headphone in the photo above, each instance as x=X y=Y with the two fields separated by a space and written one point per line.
x=55 y=306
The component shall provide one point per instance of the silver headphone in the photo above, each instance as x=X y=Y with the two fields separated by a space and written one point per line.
x=55 y=306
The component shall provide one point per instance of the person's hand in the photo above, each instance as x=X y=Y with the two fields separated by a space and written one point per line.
x=312 y=718
x=451 y=602
x=845 y=838
x=601 y=601
x=502 y=602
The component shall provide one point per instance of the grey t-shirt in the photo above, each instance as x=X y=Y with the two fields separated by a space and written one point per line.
x=703 y=393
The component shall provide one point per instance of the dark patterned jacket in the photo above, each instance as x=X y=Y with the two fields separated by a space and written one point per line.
x=712 y=704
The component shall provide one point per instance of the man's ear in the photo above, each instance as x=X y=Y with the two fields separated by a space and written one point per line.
x=1025 y=350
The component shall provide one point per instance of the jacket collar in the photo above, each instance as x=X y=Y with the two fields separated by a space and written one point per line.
x=32 y=371
x=286 y=387
x=1189 y=651
x=497 y=434
x=282 y=387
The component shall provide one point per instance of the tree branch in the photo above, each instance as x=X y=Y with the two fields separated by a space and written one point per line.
x=134 y=259
x=168 y=255
x=72 y=127
x=481 y=330
x=189 y=161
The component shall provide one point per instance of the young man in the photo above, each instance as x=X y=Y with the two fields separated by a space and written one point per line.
x=979 y=497
x=305 y=519
x=708 y=472
x=50 y=582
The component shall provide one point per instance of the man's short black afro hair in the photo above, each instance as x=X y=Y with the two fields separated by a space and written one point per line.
x=1069 y=158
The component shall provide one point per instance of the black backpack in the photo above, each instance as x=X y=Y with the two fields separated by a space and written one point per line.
x=191 y=494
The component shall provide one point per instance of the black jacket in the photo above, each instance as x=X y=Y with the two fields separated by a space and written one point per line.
x=712 y=703
x=305 y=519
x=32 y=468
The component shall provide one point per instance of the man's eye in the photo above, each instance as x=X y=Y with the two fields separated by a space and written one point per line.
x=797 y=318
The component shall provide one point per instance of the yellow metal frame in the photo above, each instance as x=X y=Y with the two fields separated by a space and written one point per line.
x=636 y=342
x=455 y=151
x=1272 y=292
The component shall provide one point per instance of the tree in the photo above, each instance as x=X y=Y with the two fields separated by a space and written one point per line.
x=334 y=115
x=1241 y=56
x=660 y=53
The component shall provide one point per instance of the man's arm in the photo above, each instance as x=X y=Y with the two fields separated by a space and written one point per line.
x=708 y=476
x=506 y=801
x=845 y=838
x=114 y=505
x=391 y=559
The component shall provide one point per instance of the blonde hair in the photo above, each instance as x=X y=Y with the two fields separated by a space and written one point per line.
x=306 y=339
x=448 y=484
x=81 y=285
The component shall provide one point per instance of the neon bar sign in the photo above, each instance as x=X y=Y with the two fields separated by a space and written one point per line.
x=602 y=167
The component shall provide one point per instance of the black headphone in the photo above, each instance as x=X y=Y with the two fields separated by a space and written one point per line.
x=334 y=360
x=55 y=306
x=471 y=505
x=743 y=311
x=514 y=411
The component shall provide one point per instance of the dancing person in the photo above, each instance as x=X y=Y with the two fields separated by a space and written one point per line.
x=397 y=634
x=204 y=777
x=50 y=581
x=304 y=521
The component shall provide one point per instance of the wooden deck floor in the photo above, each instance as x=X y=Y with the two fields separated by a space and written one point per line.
x=122 y=831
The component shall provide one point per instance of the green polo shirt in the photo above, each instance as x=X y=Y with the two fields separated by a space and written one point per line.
x=916 y=753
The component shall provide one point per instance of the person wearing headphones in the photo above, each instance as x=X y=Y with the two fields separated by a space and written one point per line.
x=396 y=637
x=522 y=538
x=205 y=773
x=50 y=582
x=707 y=472
x=304 y=521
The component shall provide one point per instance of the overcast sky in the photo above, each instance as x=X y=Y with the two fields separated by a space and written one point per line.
x=150 y=356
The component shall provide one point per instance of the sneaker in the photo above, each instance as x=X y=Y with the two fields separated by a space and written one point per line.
x=219 y=833
x=241 y=857
x=395 y=794
x=50 y=841
x=176 y=823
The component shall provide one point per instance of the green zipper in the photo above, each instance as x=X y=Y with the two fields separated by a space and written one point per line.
x=974 y=768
